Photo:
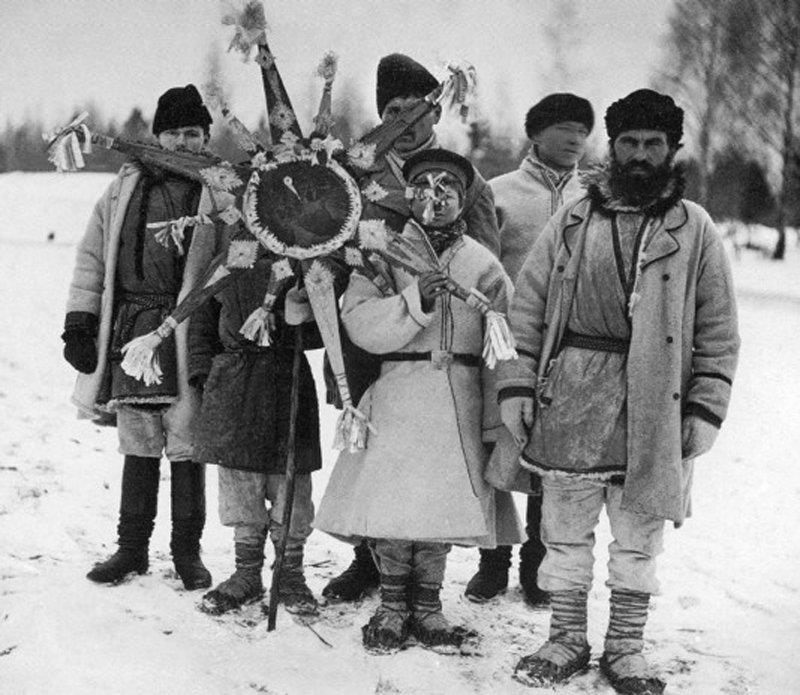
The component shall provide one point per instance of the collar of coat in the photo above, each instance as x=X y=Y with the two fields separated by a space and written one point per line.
x=534 y=165
x=597 y=184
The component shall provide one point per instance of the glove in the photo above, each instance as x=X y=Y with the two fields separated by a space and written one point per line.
x=697 y=436
x=80 y=330
x=297 y=308
x=517 y=415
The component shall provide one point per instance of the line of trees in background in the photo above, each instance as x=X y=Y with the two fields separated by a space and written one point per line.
x=735 y=67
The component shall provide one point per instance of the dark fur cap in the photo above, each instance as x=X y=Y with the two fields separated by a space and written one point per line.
x=645 y=109
x=180 y=107
x=401 y=76
x=557 y=108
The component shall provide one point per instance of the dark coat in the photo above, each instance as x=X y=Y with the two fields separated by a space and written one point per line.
x=244 y=418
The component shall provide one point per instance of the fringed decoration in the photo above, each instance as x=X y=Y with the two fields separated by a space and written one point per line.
x=260 y=323
x=140 y=359
x=351 y=430
x=327 y=67
x=249 y=23
x=281 y=270
x=176 y=230
x=230 y=215
x=327 y=71
x=221 y=178
x=374 y=192
x=66 y=148
x=461 y=88
x=353 y=257
x=641 y=259
x=498 y=341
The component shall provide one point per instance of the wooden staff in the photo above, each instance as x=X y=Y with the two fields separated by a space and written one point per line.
x=288 y=494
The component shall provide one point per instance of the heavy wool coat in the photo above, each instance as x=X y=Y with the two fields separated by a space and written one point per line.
x=243 y=422
x=684 y=339
x=421 y=475
x=525 y=199
x=92 y=290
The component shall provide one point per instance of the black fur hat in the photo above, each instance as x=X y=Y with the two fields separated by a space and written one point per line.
x=557 y=108
x=401 y=76
x=645 y=109
x=180 y=107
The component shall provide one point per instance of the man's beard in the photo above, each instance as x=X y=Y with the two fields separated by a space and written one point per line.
x=641 y=187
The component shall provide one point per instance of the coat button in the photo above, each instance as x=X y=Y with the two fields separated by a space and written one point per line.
x=676 y=396
x=560 y=269
x=665 y=277
x=669 y=338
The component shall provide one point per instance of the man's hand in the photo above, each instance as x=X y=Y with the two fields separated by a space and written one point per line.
x=80 y=329
x=297 y=308
x=517 y=415
x=697 y=436
x=431 y=285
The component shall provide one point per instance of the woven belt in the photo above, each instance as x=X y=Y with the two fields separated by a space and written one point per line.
x=595 y=342
x=458 y=357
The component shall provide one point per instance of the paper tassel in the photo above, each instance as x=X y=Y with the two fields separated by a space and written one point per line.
x=141 y=359
x=351 y=430
x=498 y=341
x=258 y=324
x=66 y=150
x=461 y=87
x=249 y=25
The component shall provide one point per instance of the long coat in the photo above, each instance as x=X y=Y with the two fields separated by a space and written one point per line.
x=421 y=475
x=92 y=290
x=525 y=199
x=684 y=339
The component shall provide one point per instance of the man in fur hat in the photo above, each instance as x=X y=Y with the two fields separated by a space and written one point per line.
x=625 y=322
x=124 y=284
x=401 y=82
x=525 y=199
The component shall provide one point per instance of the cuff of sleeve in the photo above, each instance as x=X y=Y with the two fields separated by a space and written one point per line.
x=515 y=391
x=411 y=296
x=703 y=413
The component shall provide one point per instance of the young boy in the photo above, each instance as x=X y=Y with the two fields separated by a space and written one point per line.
x=243 y=428
x=418 y=486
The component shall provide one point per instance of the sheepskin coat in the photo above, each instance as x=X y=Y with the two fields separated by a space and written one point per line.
x=525 y=199
x=421 y=474
x=684 y=338
x=92 y=290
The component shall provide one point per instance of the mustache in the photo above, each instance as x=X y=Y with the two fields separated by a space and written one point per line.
x=632 y=166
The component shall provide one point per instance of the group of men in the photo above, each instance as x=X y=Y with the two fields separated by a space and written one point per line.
x=625 y=325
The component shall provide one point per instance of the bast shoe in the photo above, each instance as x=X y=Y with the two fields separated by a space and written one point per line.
x=629 y=674
x=241 y=588
x=551 y=664
x=387 y=630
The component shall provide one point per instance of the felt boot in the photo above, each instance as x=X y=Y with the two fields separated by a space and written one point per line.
x=491 y=578
x=387 y=629
x=137 y=513
x=243 y=586
x=567 y=651
x=188 y=519
x=531 y=554
x=622 y=661
x=293 y=592
x=360 y=578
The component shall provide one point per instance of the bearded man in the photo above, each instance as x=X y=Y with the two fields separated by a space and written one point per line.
x=625 y=322
x=401 y=83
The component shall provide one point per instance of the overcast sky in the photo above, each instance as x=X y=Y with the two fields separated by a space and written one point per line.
x=58 y=53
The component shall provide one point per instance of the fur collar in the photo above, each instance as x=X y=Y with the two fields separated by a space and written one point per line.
x=596 y=182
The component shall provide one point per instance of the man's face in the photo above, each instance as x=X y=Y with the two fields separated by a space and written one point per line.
x=640 y=152
x=417 y=134
x=562 y=144
x=192 y=138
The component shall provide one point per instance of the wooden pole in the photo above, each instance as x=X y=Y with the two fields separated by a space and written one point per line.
x=288 y=492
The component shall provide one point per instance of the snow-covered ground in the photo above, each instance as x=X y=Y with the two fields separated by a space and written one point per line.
x=728 y=620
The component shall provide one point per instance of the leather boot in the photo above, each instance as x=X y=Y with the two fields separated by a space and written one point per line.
x=188 y=494
x=243 y=586
x=491 y=578
x=531 y=554
x=361 y=577
x=137 y=513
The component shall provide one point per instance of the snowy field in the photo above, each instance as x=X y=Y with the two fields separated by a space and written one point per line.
x=728 y=620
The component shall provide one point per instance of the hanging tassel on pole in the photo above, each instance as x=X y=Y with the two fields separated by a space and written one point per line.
x=498 y=341
x=140 y=357
x=261 y=322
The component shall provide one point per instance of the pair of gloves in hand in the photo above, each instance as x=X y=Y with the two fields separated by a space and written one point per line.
x=697 y=435
x=80 y=348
